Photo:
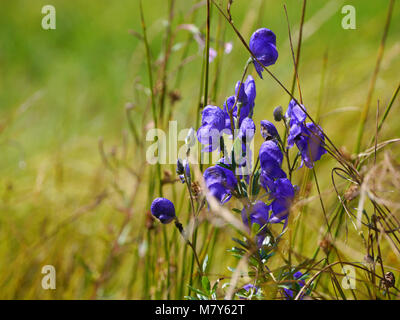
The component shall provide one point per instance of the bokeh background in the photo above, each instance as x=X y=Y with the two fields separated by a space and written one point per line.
x=62 y=91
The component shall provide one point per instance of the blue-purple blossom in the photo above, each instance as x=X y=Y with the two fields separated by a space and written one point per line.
x=163 y=209
x=268 y=130
x=212 y=124
x=246 y=97
x=220 y=182
x=248 y=287
x=311 y=144
x=308 y=138
x=281 y=192
x=295 y=113
x=247 y=129
x=295 y=287
x=258 y=214
x=271 y=160
x=263 y=46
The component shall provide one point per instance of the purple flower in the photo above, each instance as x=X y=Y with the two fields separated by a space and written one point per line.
x=270 y=160
x=248 y=287
x=308 y=138
x=220 y=182
x=295 y=113
x=212 y=124
x=258 y=213
x=295 y=287
x=268 y=130
x=282 y=193
x=282 y=188
x=310 y=141
x=263 y=46
x=163 y=209
x=246 y=96
x=247 y=129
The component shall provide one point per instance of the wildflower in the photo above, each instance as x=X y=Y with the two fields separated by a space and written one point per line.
x=247 y=129
x=246 y=96
x=271 y=160
x=258 y=214
x=295 y=113
x=220 y=182
x=263 y=46
x=308 y=138
x=212 y=124
x=249 y=287
x=295 y=287
x=310 y=141
x=163 y=209
x=268 y=130
x=283 y=194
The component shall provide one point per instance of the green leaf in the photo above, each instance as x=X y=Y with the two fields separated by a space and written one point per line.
x=196 y=290
x=236 y=210
x=205 y=263
x=242 y=243
x=206 y=284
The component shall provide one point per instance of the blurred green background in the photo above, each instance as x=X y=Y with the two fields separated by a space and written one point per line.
x=61 y=90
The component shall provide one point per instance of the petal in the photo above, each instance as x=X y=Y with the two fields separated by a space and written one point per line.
x=269 y=151
x=250 y=89
x=260 y=40
x=268 y=130
x=213 y=116
x=247 y=129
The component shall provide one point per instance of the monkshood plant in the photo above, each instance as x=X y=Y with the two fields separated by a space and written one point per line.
x=264 y=189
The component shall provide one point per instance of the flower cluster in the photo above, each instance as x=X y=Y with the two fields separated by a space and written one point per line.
x=265 y=191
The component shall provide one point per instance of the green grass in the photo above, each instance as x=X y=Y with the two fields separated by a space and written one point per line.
x=75 y=82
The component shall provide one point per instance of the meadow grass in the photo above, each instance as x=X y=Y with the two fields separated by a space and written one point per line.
x=75 y=106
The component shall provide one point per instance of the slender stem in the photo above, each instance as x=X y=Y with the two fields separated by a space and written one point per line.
x=179 y=226
x=388 y=108
x=207 y=62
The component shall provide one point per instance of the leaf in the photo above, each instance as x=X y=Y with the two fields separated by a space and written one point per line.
x=215 y=286
x=237 y=210
x=206 y=284
x=242 y=243
x=205 y=263
x=196 y=290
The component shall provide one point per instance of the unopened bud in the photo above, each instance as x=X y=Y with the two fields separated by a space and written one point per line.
x=278 y=113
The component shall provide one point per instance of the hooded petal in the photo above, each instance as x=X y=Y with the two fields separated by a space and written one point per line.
x=247 y=129
x=260 y=41
x=213 y=116
x=295 y=113
x=269 y=151
x=268 y=130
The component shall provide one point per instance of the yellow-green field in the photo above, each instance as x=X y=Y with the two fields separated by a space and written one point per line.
x=75 y=186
